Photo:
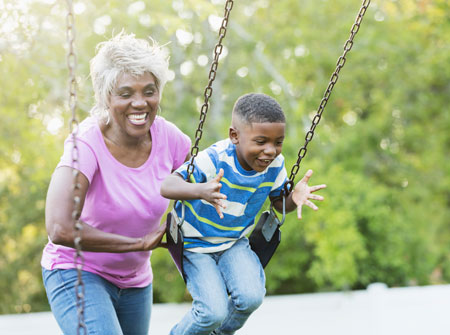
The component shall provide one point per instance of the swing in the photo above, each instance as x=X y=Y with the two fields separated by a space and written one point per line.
x=174 y=234
x=175 y=237
x=266 y=236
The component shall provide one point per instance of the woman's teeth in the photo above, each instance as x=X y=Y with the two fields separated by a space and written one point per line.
x=137 y=119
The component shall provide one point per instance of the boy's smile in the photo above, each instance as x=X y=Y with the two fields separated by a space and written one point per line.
x=257 y=144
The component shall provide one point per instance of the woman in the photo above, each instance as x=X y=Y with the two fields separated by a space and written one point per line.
x=125 y=152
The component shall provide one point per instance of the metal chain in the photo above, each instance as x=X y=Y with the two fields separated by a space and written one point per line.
x=334 y=78
x=208 y=90
x=73 y=125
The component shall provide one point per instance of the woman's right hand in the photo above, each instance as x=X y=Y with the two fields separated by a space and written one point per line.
x=154 y=239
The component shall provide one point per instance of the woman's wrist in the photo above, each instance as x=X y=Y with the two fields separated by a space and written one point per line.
x=139 y=244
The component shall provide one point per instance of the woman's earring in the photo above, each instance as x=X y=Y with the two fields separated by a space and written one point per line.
x=159 y=110
x=108 y=118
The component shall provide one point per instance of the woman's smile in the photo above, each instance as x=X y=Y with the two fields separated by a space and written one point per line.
x=138 y=119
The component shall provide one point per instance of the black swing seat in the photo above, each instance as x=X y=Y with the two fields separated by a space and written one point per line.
x=175 y=240
x=266 y=236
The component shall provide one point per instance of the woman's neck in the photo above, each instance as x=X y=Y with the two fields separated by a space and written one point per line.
x=128 y=150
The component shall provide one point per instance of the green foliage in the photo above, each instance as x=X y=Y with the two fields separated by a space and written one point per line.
x=381 y=146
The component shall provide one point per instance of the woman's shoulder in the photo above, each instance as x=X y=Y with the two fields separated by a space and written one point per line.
x=161 y=125
x=88 y=127
x=88 y=132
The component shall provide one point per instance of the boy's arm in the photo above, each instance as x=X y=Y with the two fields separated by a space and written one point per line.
x=300 y=196
x=176 y=188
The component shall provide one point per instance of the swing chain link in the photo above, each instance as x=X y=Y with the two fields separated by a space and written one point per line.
x=73 y=125
x=208 y=90
x=288 y=186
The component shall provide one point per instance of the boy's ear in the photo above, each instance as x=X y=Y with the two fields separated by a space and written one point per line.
x=233 y=135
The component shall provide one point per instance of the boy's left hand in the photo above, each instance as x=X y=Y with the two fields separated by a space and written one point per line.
x=302 y=193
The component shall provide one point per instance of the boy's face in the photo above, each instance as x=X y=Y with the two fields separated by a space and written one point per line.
x=257 y=144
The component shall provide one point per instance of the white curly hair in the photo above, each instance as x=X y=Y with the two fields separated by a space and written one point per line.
x=124 y=53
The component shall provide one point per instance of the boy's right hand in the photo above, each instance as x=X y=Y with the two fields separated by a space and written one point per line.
x=211 y=193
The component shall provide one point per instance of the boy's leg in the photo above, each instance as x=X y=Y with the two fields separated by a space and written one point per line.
x=245 y=280
x=99 y=313
x=134 y=310
x=209 y=294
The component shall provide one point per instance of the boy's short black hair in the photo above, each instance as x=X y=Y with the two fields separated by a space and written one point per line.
x=258 y=108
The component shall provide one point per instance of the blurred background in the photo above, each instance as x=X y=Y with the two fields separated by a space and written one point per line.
x=382 y=146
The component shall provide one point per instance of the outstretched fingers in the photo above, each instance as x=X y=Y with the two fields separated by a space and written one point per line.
x=311 y=205
x=315 y=197
x=218 y=197
x=219 y=205
x=219 y=176
x=317 y=187
x=307 y=203
x=299 y=212
x=303 y=193
x=307 y=175
x=219 y=210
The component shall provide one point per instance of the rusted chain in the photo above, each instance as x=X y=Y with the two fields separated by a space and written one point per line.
x=208 y=90
x=73 y=125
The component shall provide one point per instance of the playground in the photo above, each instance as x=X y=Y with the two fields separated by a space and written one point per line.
x=364 y=87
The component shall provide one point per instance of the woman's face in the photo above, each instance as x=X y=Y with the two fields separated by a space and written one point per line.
x=133 y=104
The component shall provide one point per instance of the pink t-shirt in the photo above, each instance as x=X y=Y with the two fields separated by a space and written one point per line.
x=120 y=200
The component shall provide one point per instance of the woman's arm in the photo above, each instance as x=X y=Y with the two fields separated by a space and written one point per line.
x=59 y=222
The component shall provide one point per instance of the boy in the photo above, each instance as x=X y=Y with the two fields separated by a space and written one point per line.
x=230 y=183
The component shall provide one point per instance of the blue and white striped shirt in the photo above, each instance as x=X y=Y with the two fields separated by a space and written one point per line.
x=204 y=231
